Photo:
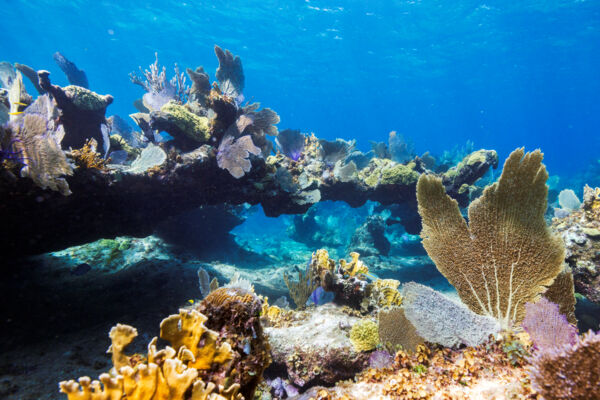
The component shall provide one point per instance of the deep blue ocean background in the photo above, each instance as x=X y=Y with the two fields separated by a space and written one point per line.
x=501 y=74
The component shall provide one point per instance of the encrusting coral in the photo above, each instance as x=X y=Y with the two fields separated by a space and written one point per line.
x=234 y=312
x=188 y=367
x=506 y=256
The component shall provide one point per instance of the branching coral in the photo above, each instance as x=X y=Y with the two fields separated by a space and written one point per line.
x=506 y=256
x=156 y=84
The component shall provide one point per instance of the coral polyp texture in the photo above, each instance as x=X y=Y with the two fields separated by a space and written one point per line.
x=184 y=370
x=506 y=256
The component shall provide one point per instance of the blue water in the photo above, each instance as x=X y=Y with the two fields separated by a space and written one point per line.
x=503 y=74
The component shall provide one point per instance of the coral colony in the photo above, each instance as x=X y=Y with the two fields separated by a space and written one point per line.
x=510 y=333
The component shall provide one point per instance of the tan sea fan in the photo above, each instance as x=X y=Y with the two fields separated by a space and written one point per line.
x=506 y=256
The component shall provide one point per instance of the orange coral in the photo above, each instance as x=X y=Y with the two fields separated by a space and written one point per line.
x=187 y=330
x=87 y=157
x=167 y=374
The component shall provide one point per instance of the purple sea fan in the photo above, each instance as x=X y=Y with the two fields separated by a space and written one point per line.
x=291 y=143
x=569 y=372
x=233 y=155
x=380 y=359
x=548 y=328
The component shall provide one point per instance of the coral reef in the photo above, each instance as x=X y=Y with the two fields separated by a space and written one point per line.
x=230 y=73
x=482 y=372
x=188 y=366
x=580 y=231
x=301 y=290
x=562 y=292
x=203 y=131
x=547 y=327
x=473 y=165
x=88 y=157
x=506 y=256
x=369 y=239
x=291 y=143
x=234 y=312
x=82 y=113
x=151 y=157
x=37 y=139
x=233 y=155
x=313 y=346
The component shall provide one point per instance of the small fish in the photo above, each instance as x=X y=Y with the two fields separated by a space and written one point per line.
x=15 y=113
x=81 y=269
x=20 y=104
x=191 y=301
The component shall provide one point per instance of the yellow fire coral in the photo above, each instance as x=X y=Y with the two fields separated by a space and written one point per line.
x=121 y=336
x=364 y=335
x=385 y=292
x=354 y=267
x=187 y=329
x=168 y=374
x=506 y=256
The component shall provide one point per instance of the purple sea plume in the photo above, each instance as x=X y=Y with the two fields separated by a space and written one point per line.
x=547 y=327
